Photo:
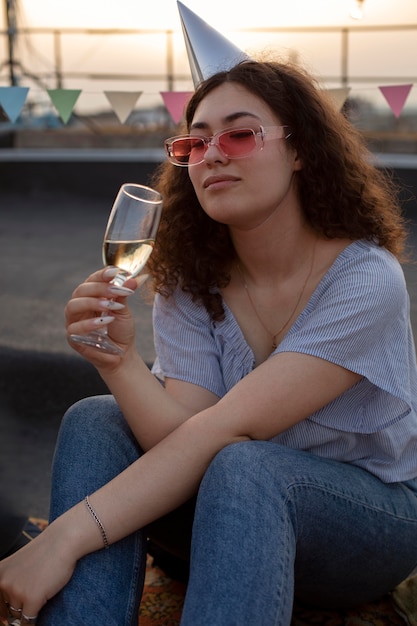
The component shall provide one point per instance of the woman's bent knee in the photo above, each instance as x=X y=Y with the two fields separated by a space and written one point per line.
x=242 y=458
x=87 y=411
x=97 y=423
x=90 y=415
x=94 y=445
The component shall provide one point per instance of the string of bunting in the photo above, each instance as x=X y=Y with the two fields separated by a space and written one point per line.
x=12 y=100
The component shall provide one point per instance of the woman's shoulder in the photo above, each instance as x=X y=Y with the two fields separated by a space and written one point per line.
x=364 y=260
x=367 y=251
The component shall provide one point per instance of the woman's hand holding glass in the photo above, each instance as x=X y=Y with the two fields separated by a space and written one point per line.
x=97 y=304
x=128 y=243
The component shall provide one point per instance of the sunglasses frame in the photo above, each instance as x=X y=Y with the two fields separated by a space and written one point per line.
x=214 y=140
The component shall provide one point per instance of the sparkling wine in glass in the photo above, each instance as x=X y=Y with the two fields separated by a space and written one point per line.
x=128 y=243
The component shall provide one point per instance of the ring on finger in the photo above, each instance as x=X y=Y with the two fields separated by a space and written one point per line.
x=11 y=608
x=30 y=619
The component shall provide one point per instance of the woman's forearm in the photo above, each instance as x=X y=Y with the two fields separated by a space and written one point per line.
x=161 y=480
x=149 y=410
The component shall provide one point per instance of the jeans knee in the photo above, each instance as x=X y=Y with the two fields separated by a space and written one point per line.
x=234 y=462
x=87 y=414
x=94 y=444
x=257 y=467
x=238 y=490
x=96 y=422
x=242 y=454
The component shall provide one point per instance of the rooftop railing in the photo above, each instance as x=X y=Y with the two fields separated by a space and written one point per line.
x=341 y=55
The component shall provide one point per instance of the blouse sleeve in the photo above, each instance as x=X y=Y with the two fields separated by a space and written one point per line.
x=358 y=318
x=184 y=342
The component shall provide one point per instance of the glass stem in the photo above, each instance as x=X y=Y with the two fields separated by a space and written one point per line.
x=117 y=281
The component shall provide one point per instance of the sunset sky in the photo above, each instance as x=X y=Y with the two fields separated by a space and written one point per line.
x=221 y=14
x=384 y=55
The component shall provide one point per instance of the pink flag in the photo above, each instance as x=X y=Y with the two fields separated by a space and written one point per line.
x=396 y=95
x=175 y=102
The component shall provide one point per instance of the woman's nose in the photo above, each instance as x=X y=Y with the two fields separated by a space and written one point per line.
x=213 y=153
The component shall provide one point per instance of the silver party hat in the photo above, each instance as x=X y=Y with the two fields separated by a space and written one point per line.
x=208 y=51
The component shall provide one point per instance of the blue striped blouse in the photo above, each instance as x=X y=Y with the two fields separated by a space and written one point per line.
x=358 y=317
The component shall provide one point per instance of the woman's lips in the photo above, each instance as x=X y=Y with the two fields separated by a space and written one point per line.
x=219 y=181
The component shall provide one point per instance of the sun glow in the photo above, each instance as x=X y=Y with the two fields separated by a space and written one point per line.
x=97 y=60
x=224 y=16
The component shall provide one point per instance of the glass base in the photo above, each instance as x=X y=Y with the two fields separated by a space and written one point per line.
x=99 y=341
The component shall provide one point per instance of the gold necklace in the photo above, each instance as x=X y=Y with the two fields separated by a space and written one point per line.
x=278 y=332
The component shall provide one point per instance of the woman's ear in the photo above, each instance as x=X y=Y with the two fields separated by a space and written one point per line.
x=298 y=164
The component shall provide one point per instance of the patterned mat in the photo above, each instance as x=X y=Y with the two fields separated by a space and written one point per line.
x=163 y=598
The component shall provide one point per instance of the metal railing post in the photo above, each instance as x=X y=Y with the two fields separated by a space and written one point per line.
x=58 y=58
x=345 y=57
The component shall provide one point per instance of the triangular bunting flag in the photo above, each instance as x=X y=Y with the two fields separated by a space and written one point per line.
x=123 y=102
x=64 y=101
x=175 y=102
x=12 y=100
x=396 y=95
x=339 y=96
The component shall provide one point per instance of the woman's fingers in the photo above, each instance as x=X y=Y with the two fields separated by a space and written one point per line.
x=78 y=308
x=107 y=274
x=28 y=619
x=32 y=575
x=103 y=275
x=102 y=289
x=95 y=304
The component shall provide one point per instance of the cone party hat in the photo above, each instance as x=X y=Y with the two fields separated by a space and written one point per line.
x=208 y=51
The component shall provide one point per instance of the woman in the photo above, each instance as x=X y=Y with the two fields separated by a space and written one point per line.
x=288 y=405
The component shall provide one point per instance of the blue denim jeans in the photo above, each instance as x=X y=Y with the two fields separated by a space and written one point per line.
x=269 y=522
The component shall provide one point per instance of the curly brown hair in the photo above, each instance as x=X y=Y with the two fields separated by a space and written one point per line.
x=341 y=192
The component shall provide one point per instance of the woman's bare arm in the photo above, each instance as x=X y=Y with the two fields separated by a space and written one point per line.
x=274 y=397
x=151 y=410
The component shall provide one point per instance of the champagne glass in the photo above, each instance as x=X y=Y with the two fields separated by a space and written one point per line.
x=128 y=243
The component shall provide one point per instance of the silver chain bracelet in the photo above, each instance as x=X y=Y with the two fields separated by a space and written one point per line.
x=97 y=521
